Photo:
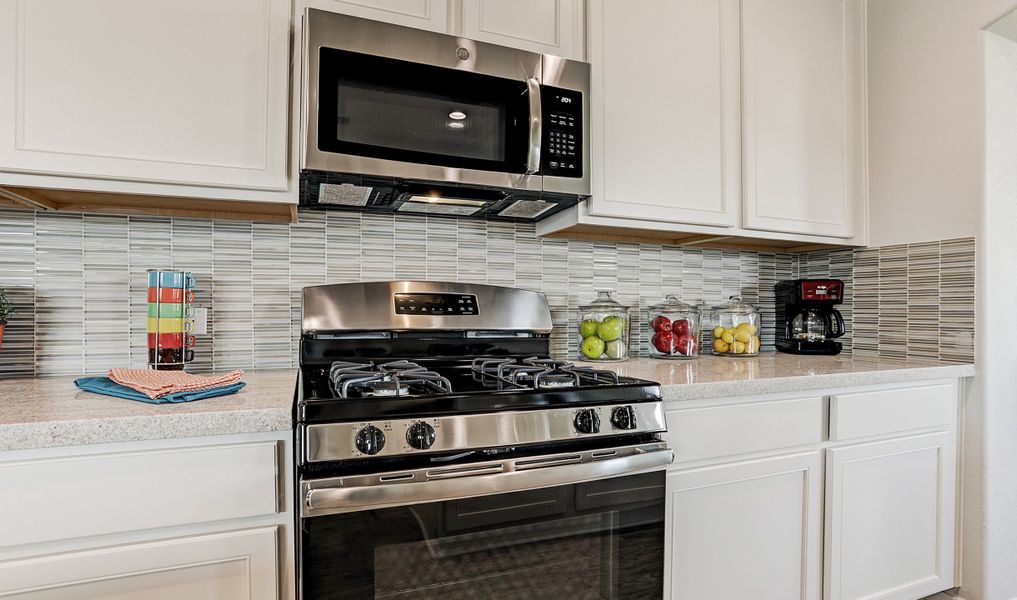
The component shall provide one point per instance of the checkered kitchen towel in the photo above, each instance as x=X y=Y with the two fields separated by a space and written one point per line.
x=156 y=384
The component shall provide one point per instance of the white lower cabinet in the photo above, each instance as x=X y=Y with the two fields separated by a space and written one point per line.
x=746 y=531
x=847 y=495
x=890 y=518
x=184 y=519
x=238 y=565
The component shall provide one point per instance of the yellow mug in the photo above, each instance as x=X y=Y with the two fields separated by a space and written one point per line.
x=170 y=325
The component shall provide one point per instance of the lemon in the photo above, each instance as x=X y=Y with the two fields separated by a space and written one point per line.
x=728 y=337
x=739 y=348
x=754 y=344
x=718 y=331
x=719 y=346
x=743 y=335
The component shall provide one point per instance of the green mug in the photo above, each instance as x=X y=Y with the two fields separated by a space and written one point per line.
x=170 y=311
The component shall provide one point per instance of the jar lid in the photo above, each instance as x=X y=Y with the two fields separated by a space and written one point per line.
x=604 y=302
x=671 y=303
x=736 y=306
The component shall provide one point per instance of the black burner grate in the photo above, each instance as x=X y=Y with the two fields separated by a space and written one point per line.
x=396 y=378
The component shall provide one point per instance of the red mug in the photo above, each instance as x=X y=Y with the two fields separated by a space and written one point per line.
x=170 y=295
x=170 y=359
x=170 y=340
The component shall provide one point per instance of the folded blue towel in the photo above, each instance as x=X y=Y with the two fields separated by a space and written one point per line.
x=104 y=385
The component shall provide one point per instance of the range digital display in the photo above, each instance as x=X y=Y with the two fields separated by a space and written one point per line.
x=435 y=304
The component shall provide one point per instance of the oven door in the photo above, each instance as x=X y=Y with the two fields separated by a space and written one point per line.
x=391 y=101
x=578 y=526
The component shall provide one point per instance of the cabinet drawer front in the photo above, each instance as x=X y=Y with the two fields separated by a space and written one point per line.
x=80 y=496
x=715 y=431
x=238 y=565
x=880 y=412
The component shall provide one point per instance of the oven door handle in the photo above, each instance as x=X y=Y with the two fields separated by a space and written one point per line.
x=343 y=495
x=536 y=126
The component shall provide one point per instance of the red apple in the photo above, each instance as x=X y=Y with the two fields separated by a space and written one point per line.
x=663 y=341
x=686 y=345
x=681 y=327
x=661 y=323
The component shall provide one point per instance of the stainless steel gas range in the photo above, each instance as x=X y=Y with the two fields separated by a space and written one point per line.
x=441 y=453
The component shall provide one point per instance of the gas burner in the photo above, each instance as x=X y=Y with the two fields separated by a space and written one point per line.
x=537 y=373
x=382 y=388
x=391 y=379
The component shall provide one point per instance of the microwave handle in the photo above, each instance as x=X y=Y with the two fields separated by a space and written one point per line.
x=533 y=155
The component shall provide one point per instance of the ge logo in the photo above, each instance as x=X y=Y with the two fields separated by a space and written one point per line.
x=462 y=53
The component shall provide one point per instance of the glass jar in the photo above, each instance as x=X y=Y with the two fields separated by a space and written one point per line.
x=674 y=329
x=604 y=329
x=734 y=328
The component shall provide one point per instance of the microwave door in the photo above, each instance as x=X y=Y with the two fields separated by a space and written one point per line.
x=383 y=116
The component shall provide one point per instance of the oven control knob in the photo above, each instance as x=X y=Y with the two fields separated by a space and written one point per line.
x=370 y=440
x=587 y=421
x=623 y=418
x=420 y=435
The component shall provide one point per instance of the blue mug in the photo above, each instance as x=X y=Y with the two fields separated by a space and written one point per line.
x=170 y=279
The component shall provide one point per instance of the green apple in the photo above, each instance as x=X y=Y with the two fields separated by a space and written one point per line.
x=611 y=328
x=593 y=347
x=588 y=327
x=615 y=349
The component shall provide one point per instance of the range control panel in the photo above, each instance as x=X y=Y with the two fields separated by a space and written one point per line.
x=435 y=304
x=562 y=143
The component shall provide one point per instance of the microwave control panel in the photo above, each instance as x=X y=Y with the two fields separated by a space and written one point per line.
x=562 y=144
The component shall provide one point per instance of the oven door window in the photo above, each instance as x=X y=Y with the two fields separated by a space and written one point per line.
x=590 y=541
x=397 y=110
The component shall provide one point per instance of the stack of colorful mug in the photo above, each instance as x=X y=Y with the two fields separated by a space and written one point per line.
x=170 y=319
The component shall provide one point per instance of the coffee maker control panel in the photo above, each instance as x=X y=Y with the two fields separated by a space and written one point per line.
x=831 y=290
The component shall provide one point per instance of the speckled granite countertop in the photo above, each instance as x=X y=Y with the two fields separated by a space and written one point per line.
x=773 y=373
x=48 y=412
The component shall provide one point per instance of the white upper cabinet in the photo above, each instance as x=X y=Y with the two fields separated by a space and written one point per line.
x=547 y=26
x=432 y=15
x=727 y=119
x=665 y=114
x=183 y=93
x=801 y=63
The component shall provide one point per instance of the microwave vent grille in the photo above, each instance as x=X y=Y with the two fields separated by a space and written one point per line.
x=344 y=194
x=527 y=209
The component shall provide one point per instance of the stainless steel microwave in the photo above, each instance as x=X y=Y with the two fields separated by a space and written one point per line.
x=404 y=120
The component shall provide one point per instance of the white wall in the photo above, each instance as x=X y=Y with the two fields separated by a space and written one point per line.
x=926 y=134
x=991 y=513
x=990 y=517
x=943 y=164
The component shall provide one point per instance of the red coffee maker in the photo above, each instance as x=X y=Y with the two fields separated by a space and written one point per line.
x=807 y=319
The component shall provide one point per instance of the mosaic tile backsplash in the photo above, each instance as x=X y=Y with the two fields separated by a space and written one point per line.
x=78 y=282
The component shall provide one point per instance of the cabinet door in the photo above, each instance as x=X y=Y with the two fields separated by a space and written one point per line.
x=890 y=518
x=745 y=531
x=548 y=26
x=191 y=92
x=431 y=15
x=237 y=565
x=665 y=115
x=802 y=70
